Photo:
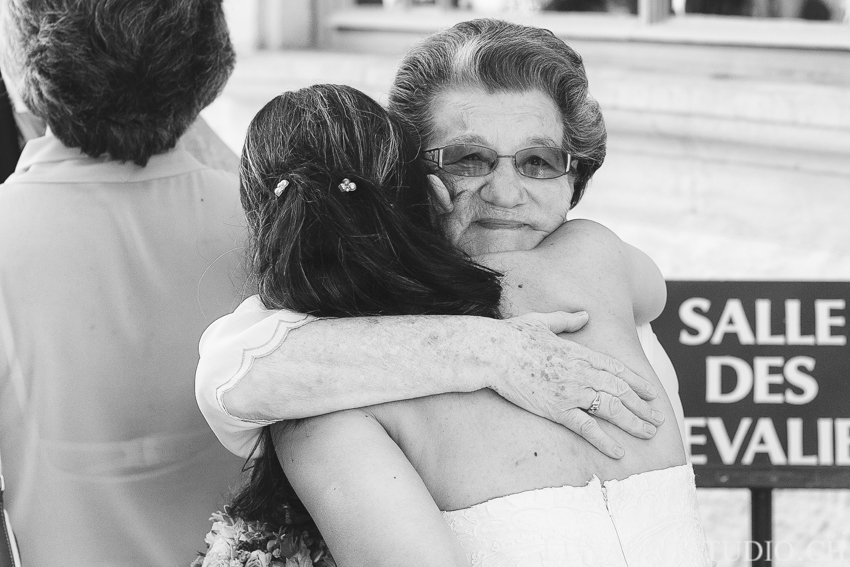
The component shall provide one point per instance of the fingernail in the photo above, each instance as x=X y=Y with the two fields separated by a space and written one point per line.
x=652 y=391
x=649 y=428
x=658 y=416
x=619 y=451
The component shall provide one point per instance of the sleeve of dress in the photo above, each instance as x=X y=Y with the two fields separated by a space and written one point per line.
x=228 y=348
x=657 y=357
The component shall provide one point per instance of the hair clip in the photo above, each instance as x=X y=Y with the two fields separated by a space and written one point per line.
x=283 y=184
x=347 y=186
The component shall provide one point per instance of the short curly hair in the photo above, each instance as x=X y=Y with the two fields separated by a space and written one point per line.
x=501 y=56
x=119 y=77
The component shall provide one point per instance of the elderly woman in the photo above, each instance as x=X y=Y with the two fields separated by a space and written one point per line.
x=509 y=127
x=108 y=234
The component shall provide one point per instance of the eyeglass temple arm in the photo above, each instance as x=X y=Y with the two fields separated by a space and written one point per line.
x=429 y=155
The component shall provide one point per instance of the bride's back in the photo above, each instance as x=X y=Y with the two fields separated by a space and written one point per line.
x=472 y=447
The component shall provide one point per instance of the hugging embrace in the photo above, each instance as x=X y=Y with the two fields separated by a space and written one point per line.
x=396 y=380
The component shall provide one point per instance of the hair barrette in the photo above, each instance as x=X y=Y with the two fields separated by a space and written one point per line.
x=282 y=184
x=347 y=186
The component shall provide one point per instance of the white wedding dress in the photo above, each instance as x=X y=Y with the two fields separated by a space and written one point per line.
x=646 y=520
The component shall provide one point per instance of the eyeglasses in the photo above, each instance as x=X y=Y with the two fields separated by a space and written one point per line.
x=469 y=160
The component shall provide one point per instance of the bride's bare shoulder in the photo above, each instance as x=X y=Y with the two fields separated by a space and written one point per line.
x=578 y=233
x=589 y=248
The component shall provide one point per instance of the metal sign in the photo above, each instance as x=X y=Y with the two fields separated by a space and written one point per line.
x=764 y=377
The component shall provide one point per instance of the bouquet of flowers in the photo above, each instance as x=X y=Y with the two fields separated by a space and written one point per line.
x=233 y=542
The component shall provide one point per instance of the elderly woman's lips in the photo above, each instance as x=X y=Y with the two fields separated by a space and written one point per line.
x=498 y=224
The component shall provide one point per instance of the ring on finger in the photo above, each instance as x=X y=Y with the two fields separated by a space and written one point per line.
x=594 y=406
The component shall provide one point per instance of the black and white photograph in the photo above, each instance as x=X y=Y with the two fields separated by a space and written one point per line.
x=424 y=283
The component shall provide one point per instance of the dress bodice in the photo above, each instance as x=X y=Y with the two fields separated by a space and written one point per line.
x=646 y=520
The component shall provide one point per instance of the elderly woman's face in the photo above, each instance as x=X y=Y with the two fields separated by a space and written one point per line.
x=503 y=210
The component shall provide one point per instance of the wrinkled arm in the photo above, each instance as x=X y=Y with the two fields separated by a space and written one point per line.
x=331 y=365
x=336 y=364
x=363 y=493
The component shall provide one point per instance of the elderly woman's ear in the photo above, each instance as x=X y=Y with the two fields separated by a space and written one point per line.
x=442 y=198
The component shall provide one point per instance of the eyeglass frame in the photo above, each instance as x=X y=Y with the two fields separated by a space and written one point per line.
x=439 y=161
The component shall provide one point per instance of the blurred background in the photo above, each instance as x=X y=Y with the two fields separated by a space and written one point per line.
x=728 y=156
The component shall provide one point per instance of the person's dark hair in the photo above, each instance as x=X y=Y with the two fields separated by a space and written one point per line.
x=373 y=251
x=316 y=249
x=500 y=56
x=118 y=77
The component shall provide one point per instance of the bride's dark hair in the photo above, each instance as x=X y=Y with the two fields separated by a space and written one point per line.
x=314 y=248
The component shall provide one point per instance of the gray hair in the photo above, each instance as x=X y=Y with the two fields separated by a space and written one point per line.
x=499 y=56
x=119 y=77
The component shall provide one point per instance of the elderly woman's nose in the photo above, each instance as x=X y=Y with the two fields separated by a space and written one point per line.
x=504 y=187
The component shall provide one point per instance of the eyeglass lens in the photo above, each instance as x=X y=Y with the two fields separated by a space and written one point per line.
x=473 y=161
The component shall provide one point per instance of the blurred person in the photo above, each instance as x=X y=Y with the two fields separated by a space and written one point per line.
x=340 y=216
x=115 y=255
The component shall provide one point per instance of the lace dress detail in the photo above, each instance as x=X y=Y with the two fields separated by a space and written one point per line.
x=647 y=520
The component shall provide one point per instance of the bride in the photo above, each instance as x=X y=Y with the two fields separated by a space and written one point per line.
x=341 y=217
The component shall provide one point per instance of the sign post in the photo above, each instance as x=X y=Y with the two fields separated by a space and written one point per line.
x=764 y=378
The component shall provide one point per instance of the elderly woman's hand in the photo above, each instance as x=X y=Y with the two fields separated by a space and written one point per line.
x=559 y=379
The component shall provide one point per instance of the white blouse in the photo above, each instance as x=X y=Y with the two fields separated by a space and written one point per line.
x=109 y=273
